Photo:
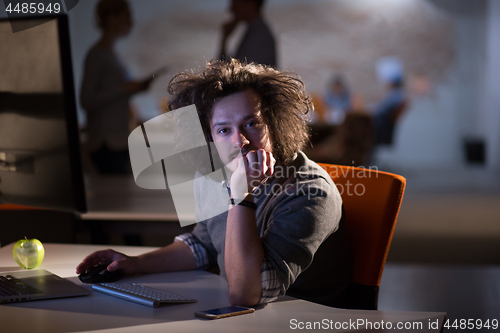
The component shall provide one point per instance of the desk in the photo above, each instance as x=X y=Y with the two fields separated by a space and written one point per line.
x=101 y=312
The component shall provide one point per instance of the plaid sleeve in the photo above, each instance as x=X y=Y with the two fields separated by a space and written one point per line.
x=269 y=282
x=268 y=275
x=200 y=253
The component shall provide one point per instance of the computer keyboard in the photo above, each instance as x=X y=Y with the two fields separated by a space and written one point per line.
x=10 y=286
x=140 y=294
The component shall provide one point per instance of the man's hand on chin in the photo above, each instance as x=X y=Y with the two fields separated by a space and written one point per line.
x=253 y=168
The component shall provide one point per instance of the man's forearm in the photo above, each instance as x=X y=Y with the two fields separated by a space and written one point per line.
x=174 y=257
x=243 y=257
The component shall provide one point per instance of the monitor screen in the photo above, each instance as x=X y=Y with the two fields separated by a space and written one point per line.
x=40 y=164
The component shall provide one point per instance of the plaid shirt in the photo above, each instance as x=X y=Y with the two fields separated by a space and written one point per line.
x=268 y=275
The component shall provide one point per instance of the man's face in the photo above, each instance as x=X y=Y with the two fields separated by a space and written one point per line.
x=237 y=125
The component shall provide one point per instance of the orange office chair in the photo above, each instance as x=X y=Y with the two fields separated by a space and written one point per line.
x=371 y=200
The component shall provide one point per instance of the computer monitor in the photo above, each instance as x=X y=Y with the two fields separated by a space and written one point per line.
x=40 y=162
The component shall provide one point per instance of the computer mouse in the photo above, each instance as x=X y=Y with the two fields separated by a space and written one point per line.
x=99 y=274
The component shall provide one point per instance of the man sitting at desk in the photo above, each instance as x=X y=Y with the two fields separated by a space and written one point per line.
x=287 y=235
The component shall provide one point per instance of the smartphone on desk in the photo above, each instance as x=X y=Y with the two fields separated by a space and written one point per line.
x=228 y=311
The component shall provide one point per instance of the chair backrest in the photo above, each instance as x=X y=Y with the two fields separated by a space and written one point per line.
x=371 y=200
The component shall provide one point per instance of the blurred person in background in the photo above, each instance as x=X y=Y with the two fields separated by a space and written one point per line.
x=258 y=43
x=106 y=91
x=387 y=111
x=337 y=100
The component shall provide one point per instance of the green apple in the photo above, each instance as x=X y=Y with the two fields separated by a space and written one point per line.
x=28 y=253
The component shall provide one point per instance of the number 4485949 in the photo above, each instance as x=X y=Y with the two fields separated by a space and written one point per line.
x=471 y=324
x=33 y=8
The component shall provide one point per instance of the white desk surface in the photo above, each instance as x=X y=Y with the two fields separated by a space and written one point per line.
x=99 y=312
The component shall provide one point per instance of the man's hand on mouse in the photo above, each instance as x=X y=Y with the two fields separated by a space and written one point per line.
x=115 y=260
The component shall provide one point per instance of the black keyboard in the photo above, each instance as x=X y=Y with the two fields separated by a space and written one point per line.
x=10 y=286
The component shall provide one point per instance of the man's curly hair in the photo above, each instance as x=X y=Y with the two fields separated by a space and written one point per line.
x=283 y=99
